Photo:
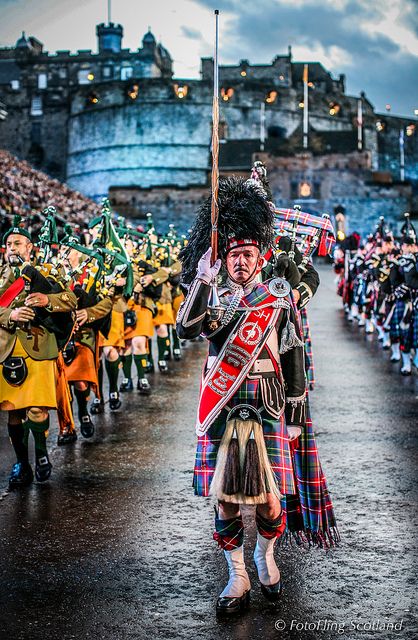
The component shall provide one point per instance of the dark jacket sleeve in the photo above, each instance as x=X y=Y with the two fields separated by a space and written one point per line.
x=309 y=280
x=192 y=312
x=293 y=369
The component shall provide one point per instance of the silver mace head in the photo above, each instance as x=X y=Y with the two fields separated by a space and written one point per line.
x=215 y=308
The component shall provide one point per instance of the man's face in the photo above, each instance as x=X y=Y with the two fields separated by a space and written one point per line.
x=408 y=248
x=242 y=263
x=17 y=245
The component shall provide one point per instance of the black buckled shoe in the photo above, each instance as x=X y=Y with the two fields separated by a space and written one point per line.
x=273 y=591
x=144 y=387
x=43 y=469
x=126 y=385
x=21 y=475
x=162 y=365
x=230 y=606
x=97 y=407
x=114 y=402
x=149 y=367
x=177 y=354
x=67 y=437
x=86 y=426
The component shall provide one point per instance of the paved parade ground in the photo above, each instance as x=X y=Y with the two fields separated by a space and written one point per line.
x=116 y=546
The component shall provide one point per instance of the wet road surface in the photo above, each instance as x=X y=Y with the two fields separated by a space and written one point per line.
x=116 y=546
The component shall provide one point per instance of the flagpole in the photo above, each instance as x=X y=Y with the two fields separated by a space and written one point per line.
x=262 y=125
x=402 y=154
x=359 y=124
x=305 y=106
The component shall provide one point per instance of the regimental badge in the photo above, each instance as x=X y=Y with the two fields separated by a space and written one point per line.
x=250 y=333
x=65 y=297
x=279 y=287
x=244 y=414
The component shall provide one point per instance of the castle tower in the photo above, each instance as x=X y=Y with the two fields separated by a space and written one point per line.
x=109 y=37
x=149 y=43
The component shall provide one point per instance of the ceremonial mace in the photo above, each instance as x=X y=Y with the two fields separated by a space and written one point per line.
x=214 y=306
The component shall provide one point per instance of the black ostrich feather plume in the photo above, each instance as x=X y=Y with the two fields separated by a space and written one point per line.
x=243 y=213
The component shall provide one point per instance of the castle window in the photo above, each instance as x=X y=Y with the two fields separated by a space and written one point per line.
x=133 y=91
x=126 y=73
x=15 y=84
x=85 y=76
x=36 y=106
x=271 y=97
x=92 y=99
x=42 y=81
x=227 y=93
x=294 y=190
x=107 y=72
x=35 y=133
x=334 y=109
x=62 y=72
x=274 y=131
x=223 y=130
x=305 y=190
x=181 y=90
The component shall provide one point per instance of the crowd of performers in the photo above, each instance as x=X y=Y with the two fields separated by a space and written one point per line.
x=73 y=310
x=70 y=311
x=378 y=283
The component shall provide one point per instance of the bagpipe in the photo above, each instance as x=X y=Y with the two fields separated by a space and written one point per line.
x=149 y=255
x=308 y=232
x=44 y=278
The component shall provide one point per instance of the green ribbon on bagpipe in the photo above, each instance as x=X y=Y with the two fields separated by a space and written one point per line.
x=109 y=247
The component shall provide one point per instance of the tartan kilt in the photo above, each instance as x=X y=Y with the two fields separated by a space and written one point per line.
x=310 y=513
x=309 y=363
x=275 y=438
x=394 y=328
x=306 y=502
x=409 y=337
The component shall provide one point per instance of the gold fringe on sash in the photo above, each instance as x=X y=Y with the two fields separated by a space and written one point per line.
x=243 y=430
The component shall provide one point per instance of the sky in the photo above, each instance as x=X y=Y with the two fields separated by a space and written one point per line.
x=373 y=42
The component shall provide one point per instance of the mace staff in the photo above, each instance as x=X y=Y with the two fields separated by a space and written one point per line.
x=215 y=146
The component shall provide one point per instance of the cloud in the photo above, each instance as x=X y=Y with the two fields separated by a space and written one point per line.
x=189 y=32
x=373 y=43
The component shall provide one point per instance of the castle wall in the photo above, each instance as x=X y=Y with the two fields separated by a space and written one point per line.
x=336 y=180
x=153 y=140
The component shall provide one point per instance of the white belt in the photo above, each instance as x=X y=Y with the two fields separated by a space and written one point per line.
x=259 y=366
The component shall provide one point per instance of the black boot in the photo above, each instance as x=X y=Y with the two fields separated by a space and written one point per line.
x=97 y=407
x=86 y=424
x=114 y=402
x=43 y=466
x=66 y=437
x=21 y=474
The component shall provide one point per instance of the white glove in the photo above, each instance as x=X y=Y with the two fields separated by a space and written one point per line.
x=204 y=271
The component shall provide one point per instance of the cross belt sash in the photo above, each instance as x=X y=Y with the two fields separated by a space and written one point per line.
x=12 y=292
x=235 y=360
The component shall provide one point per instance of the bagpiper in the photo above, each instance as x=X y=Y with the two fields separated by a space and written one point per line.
x=36 y=318
x=253 y=391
